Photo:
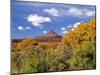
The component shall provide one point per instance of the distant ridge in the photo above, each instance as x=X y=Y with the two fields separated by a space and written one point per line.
x=50 y=37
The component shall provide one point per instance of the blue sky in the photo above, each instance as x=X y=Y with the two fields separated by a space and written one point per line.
x=32 y=19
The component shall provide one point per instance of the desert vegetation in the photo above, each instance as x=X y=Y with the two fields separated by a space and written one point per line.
x=74 y=51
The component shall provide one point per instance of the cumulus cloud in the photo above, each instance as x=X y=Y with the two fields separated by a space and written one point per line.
x=52 y=11
x=89 y=13
x=75 y=11
x=28 y=27
x=45 y=32
x=63 y=28
x=21 y=28
x=38 y=20
x=64 y=32
x=76 y=24
x=81 y=12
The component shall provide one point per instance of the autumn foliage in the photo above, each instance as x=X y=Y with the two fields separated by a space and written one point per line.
x=76 y=50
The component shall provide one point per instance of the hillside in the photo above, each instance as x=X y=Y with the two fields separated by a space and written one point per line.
x=50 y=37
x=75 y=51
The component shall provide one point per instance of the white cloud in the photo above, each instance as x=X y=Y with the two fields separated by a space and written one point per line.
x=76 y=24
x=38 y=20
x=81 y=12
x=89 y=13
x=52 y=11
x=63 y=28
x=45 y=32
x=21 y=28
x=75 y=11
x=64 y=32
x=28 y=27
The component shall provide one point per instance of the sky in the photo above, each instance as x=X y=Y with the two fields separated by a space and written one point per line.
x=33 y=19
